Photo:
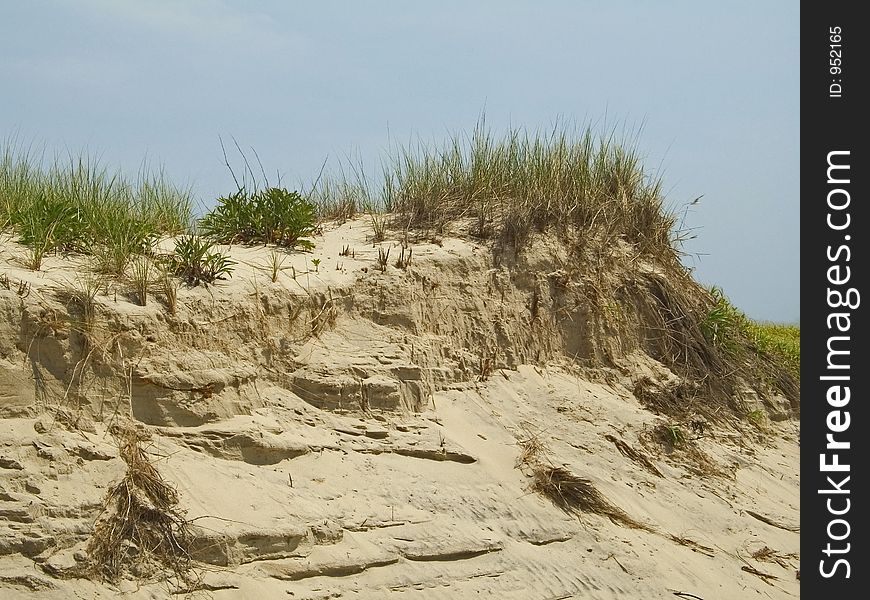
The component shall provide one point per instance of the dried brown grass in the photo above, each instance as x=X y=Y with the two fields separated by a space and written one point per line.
x=573 y=494
x=767 y=554
x=630 y=453
x=675 y=314
x=577 y=495
x=141 y=531
x=682 y=448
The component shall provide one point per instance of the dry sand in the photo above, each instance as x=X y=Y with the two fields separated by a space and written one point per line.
x=353 y=433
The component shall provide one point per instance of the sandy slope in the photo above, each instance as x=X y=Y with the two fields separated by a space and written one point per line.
x=352 y=433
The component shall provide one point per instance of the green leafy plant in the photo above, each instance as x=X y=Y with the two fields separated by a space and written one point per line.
x=232 y=220
x=724 y=324
x=675 y=435
x=757 y=416
x=316 y=263
x=287 y=218
x=196 y=262
x=270 y=216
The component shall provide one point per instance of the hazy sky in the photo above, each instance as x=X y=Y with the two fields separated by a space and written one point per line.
x=714 y=86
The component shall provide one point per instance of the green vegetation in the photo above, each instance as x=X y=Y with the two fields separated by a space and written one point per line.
x=781 y=341
x=271 y=216
x=590 y=190
x=379 y=225
x=276 y=264
x=512 y=185
x=169 y=287
x=196 y=262
x=142 y=278
x=757 y=416
x=78 y=206
x=726 y=327
x=339 y=198
x=520 y=183
x=593 y=192
x=674 y=435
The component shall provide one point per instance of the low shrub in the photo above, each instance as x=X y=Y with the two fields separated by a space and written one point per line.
x=270 y=216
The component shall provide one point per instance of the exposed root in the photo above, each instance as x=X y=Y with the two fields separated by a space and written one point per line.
x=140 y=532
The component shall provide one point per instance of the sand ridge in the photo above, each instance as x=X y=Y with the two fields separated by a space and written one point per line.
x=345 y=431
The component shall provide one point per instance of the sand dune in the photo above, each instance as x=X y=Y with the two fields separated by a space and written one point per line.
x=348 y=432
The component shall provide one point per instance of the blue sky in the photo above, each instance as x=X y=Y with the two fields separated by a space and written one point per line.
x=712 y=86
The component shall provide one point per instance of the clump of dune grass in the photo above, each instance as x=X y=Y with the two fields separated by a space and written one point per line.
x=74 y=204
x=338 y=198
x=521 y=182
x=506 y=187
x=383 y=258
x=142 y=278
x=577 y=495
x=276 y=264
x=592 y=191
x=379 y=225
x=773 y=350
x=344 y=193
x=168 y=287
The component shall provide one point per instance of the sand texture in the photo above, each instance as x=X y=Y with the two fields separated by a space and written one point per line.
x=348 y=432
